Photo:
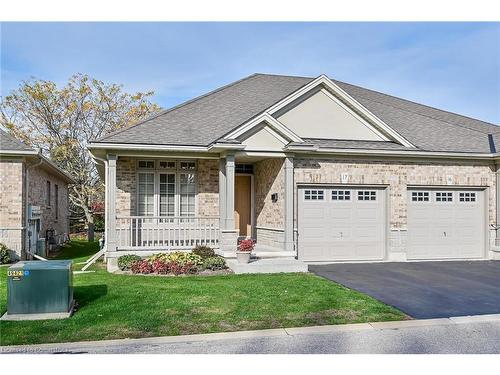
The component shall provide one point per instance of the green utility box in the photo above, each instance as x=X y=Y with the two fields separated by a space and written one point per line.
x=41 y=288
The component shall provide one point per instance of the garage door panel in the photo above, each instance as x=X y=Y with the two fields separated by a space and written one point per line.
x=355 y=227
x=445 y=229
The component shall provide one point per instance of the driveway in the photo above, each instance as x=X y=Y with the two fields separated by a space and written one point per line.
x=424 y=290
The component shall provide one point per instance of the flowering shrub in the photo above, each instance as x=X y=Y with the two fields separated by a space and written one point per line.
x=178 y=257
x=214 y=263
x=159 y=266
x=247 y=245
x=141 y=266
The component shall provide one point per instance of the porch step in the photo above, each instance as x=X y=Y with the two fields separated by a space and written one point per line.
x=274 y=265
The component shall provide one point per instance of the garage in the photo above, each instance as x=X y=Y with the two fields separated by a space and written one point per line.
x=341 y=223
x=446 y=224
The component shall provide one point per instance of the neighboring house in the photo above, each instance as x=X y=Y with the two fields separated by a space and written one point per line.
x=309 y=167
x=33 y=198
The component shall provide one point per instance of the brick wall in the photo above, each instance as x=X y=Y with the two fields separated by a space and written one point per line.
x=37 y=196
x=11 y=204
x=269 y=178
x=208 y=187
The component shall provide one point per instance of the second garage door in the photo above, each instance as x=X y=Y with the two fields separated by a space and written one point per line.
x=445 y=224
x=341 y=224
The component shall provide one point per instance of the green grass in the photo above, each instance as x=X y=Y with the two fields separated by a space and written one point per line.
x=129 y=306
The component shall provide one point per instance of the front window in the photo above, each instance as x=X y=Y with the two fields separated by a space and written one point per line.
x=146 y=194
x=187 y=194
x=167 y=190
x=167 y=194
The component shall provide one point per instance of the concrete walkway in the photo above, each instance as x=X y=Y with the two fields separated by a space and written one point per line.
x=474 y=334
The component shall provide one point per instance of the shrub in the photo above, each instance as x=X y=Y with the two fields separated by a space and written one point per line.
x=174 y=268
x=189 y=269
x=247 y=245
x=141 y=266
x=4 y=254
x=214 y=263
x=159 y=266
x=204 y=251
x=178 y=257
x=125 y=261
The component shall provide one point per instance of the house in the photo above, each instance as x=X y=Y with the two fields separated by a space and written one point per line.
x=311 y=168
x=33 y=199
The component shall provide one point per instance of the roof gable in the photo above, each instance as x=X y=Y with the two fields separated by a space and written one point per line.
x=321 y=115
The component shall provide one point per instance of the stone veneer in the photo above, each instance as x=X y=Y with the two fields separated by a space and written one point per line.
x=12 y=202
x=398 y=175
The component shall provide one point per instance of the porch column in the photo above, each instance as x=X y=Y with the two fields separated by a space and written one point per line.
x=289 y=243
x=222 y=193
x=111 y=209
x=230 y=192
x=228 y=236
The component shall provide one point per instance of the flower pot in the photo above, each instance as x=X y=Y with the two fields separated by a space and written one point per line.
x=243 y=256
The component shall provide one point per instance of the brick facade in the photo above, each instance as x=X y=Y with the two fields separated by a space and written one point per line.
x=269 y=178
x=13 y=202
x=37 y=196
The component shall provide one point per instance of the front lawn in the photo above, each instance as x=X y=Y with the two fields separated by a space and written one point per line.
x=130 y=306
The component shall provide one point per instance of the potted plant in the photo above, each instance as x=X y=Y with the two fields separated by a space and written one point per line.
x=244 y=251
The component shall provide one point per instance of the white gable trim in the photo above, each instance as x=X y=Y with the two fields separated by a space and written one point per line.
x=382 y=128
x=272 y=122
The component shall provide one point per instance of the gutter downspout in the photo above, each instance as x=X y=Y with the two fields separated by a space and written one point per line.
x=105 y=162
x=26 y=211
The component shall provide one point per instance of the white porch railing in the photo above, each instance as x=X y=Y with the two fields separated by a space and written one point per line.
x=166 y=233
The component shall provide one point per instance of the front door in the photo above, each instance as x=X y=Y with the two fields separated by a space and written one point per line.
x=243 y=205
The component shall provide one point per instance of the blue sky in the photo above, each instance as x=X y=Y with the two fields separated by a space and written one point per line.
x=452 y=66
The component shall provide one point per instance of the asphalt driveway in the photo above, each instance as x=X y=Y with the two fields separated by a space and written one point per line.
x=424 y=290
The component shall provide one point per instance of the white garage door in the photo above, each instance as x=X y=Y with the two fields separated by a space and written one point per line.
x=445 y=224
x=340 y=223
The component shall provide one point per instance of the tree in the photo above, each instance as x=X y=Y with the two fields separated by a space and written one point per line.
x=62 y=120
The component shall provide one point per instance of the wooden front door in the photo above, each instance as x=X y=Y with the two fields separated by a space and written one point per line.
x=243 y=205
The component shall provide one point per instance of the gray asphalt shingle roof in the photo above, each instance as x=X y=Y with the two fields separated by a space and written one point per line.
x=205 y=119
x=9 y=143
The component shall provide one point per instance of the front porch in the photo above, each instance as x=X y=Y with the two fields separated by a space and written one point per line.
x=166 y=203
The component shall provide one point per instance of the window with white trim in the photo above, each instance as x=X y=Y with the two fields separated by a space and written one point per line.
x=420 y=196
x=341 y=195
x=367 y=195
x=167 y=165
x=146 y=194
x=187 y=194
x=146 y=164
x=166 y=188
x=444 y=196
x=314 y=195
x=467 y=196
x=167 y=194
